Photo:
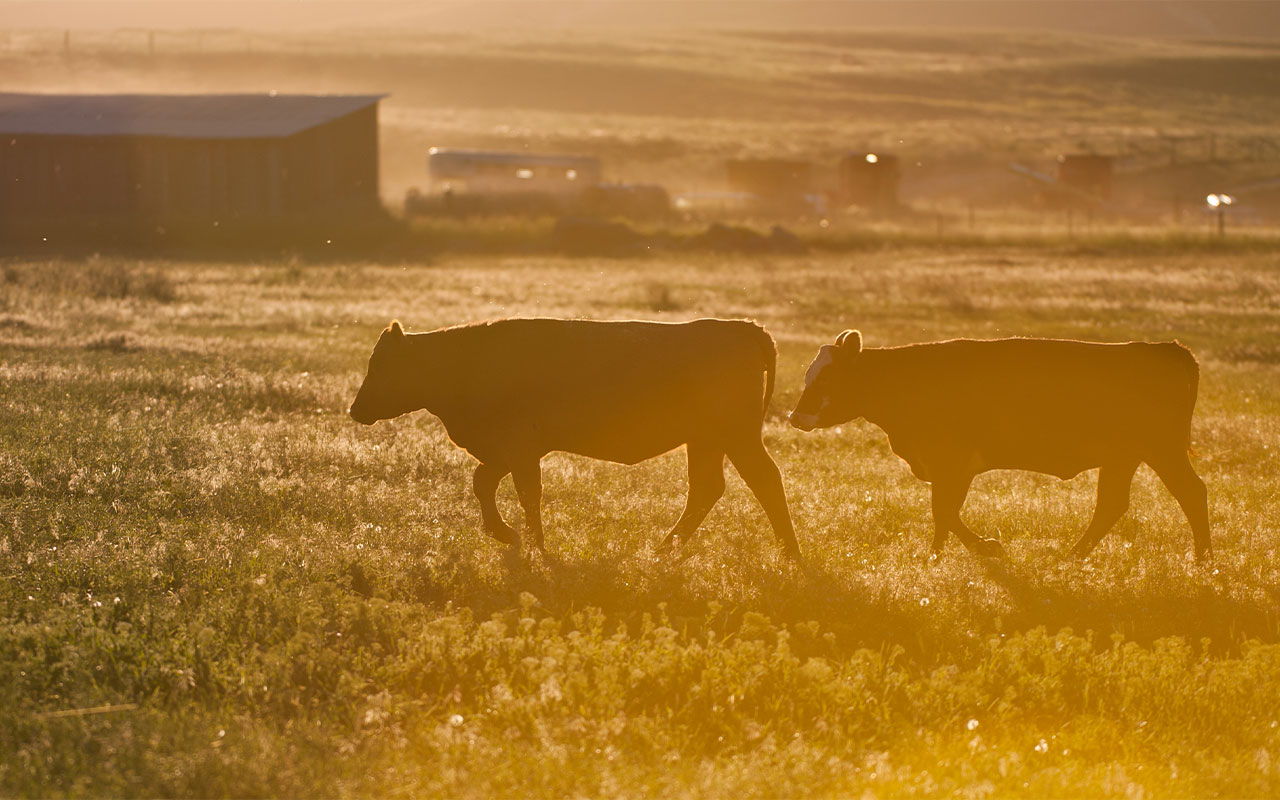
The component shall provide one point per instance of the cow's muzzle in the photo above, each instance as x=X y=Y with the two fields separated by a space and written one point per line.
x=805 y=422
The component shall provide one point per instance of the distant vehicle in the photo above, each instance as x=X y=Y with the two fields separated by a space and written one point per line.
x=714 y=201
x=632 y=200
x=489 y=173
x=495 y=182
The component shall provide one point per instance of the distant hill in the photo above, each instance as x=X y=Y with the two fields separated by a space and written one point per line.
x=1182 y=116
x=1187 y=18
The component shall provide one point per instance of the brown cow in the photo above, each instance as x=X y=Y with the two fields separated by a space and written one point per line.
x=511 y=391
x=958 y=408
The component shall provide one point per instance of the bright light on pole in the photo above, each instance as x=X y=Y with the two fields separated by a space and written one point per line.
x=1220 y=203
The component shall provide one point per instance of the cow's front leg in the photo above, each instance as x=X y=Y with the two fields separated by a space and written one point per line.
x=485 y=483
x=527 y=476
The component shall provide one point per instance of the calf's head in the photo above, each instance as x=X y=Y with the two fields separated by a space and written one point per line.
x=388 y=389
x=830 y=394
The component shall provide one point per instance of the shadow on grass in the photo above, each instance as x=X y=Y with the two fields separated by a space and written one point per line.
x=1194 y=611
x=832 y=612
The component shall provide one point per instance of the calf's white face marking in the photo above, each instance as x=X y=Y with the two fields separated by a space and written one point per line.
x=824 y=359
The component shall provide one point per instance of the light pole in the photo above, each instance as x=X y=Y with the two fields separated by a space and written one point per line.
x=1220 y=202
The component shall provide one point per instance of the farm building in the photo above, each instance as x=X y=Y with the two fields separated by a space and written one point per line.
x=185 y=161
x=1086 y=173
x=869 y=179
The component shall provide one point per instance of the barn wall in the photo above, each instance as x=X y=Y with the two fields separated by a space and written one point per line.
x=332 y=169
x=65 y=177
x=327 y=172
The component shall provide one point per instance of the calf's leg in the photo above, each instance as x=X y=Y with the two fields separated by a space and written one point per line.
x=485 y=484
x=948 y=497
x=760 y=473
x=1113 y=500
x=1189 y=490
x=706 y=485
x=527 y=476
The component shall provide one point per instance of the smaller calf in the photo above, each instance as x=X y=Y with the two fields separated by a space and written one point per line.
x=511 y=391
x=955 y=409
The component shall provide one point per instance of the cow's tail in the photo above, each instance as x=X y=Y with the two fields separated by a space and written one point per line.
x=769 y=349
x=1192 y=388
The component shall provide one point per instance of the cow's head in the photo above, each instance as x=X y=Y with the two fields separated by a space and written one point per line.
x=388 y=389
x=829 y=396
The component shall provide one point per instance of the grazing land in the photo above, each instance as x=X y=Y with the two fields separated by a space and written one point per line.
x=273 y=600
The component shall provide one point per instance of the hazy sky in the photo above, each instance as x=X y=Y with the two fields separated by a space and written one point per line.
x=1155 y=17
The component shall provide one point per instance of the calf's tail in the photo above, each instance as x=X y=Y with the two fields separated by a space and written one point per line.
x=1193 y=388
x=770 y=352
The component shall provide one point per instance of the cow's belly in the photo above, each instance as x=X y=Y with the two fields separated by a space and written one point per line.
x=932 y=456
x=628 y=440
x=1062 y=466
x=622 y=452
x=1063 y=456
x=625 y=439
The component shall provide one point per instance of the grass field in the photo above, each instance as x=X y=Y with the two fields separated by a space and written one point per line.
x=279 y=601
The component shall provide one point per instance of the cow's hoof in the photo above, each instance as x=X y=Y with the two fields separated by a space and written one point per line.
x=989 y=548
x=504 y=533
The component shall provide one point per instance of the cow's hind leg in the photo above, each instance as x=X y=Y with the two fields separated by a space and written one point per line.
x=760 y=473
x=485 y=484
x=948 y=498
x=1113 y=500
x=1189 y=490
x=706 y=485
x=527 y=476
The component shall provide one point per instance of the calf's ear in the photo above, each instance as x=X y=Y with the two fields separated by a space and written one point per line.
x=850 y=341
x=394 y=328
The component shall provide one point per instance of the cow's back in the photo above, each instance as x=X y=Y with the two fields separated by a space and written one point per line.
x=1056 y=406
x=622 y=391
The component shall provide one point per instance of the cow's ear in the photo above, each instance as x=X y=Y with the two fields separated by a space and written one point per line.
x=394 y=328
x=850 y=343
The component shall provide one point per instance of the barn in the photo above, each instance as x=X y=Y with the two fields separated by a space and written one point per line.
x=185 y=162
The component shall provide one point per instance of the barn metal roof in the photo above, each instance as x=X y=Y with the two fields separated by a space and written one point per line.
x=196 y=116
